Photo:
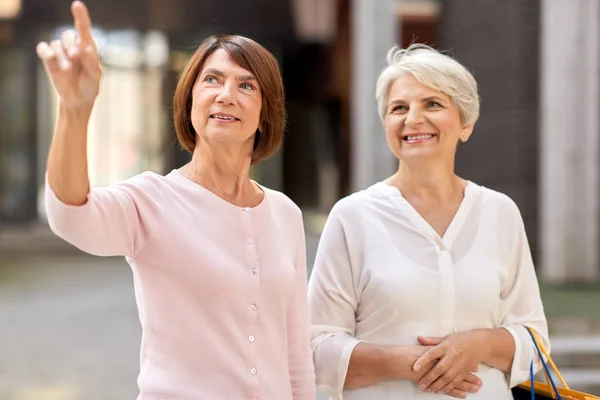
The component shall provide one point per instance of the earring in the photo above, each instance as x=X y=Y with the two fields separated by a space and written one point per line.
x=464 y=137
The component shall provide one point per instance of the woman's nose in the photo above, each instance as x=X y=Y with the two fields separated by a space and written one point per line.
x=414 y=117
x=226 y=94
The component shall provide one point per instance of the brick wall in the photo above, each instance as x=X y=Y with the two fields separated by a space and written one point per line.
x=499 y=42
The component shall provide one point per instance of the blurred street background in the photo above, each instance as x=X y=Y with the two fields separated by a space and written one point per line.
x=68 y=323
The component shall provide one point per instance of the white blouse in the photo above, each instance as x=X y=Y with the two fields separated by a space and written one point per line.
x=382 y=275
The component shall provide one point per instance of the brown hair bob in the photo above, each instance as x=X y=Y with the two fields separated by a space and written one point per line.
x=253 y=57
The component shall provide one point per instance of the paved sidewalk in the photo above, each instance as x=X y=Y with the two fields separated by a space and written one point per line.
x=69 y=329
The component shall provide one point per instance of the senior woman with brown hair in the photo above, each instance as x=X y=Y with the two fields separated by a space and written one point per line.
x=218 y=260
x=423 y=284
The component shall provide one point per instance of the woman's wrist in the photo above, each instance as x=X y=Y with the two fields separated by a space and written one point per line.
x=400 y=361
x=497 y=347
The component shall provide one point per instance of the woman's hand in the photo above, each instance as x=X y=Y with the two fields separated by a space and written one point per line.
x=459 y=355
x=74 y=66
x=469 y=382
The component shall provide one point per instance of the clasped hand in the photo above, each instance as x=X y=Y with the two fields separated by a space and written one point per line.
x=450 y=362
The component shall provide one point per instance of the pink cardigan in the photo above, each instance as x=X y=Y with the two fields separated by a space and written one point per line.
x=221 y=290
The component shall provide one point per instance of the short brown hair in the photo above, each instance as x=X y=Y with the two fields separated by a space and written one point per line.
x=253 y=57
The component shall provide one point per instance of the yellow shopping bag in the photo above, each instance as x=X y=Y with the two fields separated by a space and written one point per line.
x=548 y=390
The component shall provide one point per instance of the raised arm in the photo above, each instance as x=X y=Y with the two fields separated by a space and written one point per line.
x=120 y=220
x=74 y=69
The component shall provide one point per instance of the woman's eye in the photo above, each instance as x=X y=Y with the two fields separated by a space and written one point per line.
x=398 y=108
x=247 y=86
x=434 y=104
x=210 y=79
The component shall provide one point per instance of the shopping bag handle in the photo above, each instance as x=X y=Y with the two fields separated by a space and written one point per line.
x=540 y=347
x=546 y=370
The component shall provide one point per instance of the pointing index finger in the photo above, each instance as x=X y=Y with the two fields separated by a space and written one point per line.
x=83 y=23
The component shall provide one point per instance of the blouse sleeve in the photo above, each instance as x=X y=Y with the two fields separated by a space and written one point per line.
x=332 y=303
x=118 y=220
x=521 y=306
x=301 y=367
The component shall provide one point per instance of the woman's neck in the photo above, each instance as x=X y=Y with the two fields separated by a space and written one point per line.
x=225 y=173
x=433 y=183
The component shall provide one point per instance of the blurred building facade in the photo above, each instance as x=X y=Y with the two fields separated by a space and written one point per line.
x=331 y=52
x=537 y=65
x=326 y=49
x=143 y=45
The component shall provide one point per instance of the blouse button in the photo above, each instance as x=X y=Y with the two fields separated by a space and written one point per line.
x=254 y=271
x=250 y=240
x=251 y=338
x=247 y=209
x=253 y=371
x=440 y=245
x=253 y=307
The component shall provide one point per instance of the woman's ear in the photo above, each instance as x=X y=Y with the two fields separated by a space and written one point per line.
x=466 y=133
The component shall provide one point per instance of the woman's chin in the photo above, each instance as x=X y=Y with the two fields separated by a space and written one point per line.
x=418 y=154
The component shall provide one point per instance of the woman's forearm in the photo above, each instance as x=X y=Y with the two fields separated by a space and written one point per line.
x=371 y=363
x=67 y=159
x=499 y=348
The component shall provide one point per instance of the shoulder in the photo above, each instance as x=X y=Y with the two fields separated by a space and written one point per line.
x=144 y=187
x=287 y=213
x=499 y=203
x=281 y=202
x=146 y=181
x=362 y=202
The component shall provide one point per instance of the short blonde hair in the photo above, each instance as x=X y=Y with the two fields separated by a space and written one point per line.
x=434 y=70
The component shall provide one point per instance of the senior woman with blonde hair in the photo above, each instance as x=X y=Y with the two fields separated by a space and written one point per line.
x=423 y=285
x=218 y=261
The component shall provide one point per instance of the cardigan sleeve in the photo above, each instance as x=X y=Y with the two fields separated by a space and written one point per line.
x=301 y=367
x=117 y=220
